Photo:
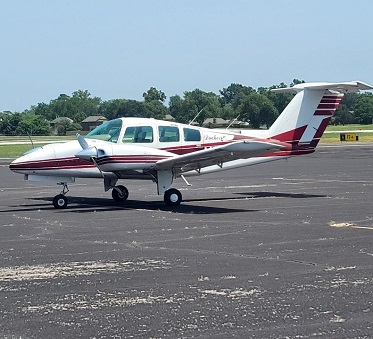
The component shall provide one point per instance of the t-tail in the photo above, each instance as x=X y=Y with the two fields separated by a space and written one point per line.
x=304 y=120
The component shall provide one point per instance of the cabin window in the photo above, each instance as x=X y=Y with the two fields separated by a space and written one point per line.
x=191 y=134
x=138 y=134
x=109 y=131
x=168 y=134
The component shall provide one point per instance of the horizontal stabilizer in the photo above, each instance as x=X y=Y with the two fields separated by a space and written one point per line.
x=341 y=87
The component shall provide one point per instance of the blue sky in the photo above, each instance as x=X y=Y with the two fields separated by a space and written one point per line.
x=120 y=48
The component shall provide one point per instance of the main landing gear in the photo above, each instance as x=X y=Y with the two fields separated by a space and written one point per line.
x=120 y=193
x=172 y=197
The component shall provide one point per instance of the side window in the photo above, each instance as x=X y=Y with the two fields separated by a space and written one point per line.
x=139 y=134
x=191 y=134
x=168 y=134
x=128 y=135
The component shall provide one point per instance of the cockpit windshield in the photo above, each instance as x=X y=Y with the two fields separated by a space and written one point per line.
x=109 y=131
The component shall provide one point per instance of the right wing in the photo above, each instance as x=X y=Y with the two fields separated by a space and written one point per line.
x=242 y=149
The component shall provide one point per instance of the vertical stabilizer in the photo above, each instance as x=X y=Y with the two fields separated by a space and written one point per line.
x=304 y=120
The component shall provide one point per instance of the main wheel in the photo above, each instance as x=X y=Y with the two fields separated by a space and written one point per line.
x=120 y=193
x=172 y=197
x=60 y=201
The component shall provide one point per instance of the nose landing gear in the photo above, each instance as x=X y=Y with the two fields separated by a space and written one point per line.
x=60 y=201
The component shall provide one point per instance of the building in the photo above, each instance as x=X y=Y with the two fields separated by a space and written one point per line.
x=91 y=122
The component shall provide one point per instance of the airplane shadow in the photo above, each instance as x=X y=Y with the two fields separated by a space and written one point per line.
x=281 y=195
x=87 y=205
x=189 y=206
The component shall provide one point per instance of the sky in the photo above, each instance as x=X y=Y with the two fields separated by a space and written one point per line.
x=121 y=48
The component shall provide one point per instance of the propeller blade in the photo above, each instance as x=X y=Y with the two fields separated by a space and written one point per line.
x=83 y=143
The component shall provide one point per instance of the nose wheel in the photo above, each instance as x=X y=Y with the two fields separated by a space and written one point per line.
x=60 y=201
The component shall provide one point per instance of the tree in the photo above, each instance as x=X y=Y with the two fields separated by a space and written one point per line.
x=363 y=110
x=175 y=106
x=154 y=94
x=23 y=124
x=296 y=82
x=76 y=107
x=343 y=116
x=249 y=111
x=279 y=100
x=155 y=109
x=197 y=105
x=9 y=123
x=268 y=114
x=230 y=93
x=258 y=110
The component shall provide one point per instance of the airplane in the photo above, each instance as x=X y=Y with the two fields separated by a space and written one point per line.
x=161 y=151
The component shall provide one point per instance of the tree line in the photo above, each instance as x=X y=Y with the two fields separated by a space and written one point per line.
x=259 y=107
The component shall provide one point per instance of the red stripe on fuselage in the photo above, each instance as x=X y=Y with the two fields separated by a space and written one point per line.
x=51 y=164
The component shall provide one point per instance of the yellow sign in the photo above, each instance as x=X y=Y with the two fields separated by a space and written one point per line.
x=349 y=137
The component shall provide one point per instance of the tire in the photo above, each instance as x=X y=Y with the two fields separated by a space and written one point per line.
x=120 y=193
x=172 y=197
x=60 y=201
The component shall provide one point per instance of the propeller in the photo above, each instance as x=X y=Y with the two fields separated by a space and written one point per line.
x=83 y=143
x=87 y=153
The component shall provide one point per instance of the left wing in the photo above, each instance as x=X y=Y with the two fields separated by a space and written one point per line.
x=242 y=149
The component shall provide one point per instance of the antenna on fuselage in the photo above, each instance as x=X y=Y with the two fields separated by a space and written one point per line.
x=28 y=134
x=231 y=123
x=190 y=122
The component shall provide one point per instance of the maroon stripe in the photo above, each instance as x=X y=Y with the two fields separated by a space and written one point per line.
x=322 y=128
x=25 y=167
x=328 y=106
x=50 y=164
x=292 y=135
x=324 y=112
x=330 y=101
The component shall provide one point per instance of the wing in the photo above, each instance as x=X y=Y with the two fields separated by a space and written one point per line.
x=242 y=149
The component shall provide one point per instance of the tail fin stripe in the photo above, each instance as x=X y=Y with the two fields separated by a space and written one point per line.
x=322 y=128
x=328 y=105
x=326 y=112
x=291 y=136
x=330 y=100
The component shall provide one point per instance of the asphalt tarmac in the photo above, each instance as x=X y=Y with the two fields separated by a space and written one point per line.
x=278 y=250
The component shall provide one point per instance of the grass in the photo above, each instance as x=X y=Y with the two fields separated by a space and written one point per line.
x=351 y=127
x=334 y=137
x=13 y=151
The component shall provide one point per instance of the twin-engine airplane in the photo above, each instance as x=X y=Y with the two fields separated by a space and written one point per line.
x=161 y=151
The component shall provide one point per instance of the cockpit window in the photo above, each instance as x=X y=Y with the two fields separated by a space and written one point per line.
x=138 y=134
x=109 y=131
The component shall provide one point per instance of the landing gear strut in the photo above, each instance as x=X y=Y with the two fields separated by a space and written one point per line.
x=119 y=193
x=172 y=197
x=60 y=201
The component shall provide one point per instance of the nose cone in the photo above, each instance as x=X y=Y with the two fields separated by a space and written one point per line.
x=31 y=160
x=18 y=165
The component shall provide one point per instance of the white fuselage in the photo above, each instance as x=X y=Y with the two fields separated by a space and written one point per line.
x=126 y=153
